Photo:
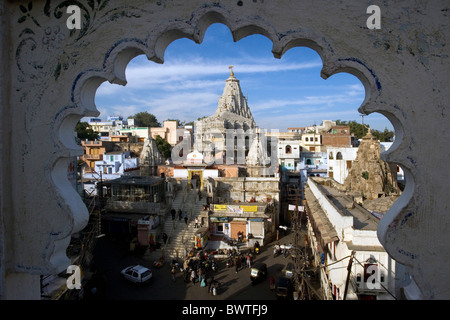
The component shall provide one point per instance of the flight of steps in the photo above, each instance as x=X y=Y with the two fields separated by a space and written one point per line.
x=181 y=236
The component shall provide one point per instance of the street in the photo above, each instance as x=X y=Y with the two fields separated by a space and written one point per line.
x=110 y=259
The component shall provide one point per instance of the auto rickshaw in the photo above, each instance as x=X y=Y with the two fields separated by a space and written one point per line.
x=282 y=290
x=258 y=272
x=288 y=271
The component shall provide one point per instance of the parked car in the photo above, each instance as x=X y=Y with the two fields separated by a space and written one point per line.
x=137 y=274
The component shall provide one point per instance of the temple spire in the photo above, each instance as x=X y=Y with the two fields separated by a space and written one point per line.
x=231 y=71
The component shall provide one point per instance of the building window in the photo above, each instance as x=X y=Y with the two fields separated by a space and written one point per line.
x=288 y=149
x=339 y=156
x=331 y=156
x=349 y=164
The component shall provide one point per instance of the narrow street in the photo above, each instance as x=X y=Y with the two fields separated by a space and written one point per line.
x=111 y=259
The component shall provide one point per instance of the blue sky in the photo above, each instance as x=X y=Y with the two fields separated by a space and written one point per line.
x=282 y=93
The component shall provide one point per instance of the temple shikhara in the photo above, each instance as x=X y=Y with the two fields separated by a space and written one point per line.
x=230 y=129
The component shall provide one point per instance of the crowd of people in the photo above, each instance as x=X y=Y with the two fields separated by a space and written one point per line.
x=197 y=267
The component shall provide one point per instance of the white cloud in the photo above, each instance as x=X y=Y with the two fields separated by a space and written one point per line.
x=142 y=74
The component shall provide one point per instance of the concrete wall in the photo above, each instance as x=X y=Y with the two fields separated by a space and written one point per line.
x=50 y=83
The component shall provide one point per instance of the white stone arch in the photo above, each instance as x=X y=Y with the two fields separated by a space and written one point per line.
x=314 y=25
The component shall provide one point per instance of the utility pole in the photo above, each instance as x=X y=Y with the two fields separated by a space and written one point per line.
x=349 y=270
x=362 y=117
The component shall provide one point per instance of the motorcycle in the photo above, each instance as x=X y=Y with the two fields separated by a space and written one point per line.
x=276 y=250
x=256 y=248
x=285 y=249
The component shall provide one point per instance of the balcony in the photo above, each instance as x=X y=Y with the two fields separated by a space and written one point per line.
x=91 y=143
x=93 y=156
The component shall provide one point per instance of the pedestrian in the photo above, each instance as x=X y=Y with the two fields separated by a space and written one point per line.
x=237 y=263
x=193 y=276
x=173 y=212
x=200 y=275
x=173 y=273
x=164 y=236
x=249 y=261
x=196 y=222
x=243 y=261
x=212 y=284
x=199 y=195
x=180 y=213
x=185 y=217
x=186 y=264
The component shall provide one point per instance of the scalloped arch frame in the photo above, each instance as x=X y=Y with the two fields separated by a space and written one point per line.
x=390 y=89
x=154 y=46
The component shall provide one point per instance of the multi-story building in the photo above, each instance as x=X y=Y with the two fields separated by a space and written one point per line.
x=93 y=151
x=113 y=165
x=328 y=134
x=135 y=207
x=289 y=154
x=168 y=131
x=343 y=237
x=340 y=162
x=246 y=205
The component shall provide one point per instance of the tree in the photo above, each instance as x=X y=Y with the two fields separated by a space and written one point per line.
x=359 y=131
x=163 y=147
x=145 y=119
x=385 y=136
x=355 y=127
x=85 y=132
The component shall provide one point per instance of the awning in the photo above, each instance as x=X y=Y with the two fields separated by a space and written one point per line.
x=322 y=226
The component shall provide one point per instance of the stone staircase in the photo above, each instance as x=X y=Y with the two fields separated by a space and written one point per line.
x=180 y=234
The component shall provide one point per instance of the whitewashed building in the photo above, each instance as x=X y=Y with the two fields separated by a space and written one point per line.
x=289 y=154
x=342 y=234
x=340 y=162
x=113 y=165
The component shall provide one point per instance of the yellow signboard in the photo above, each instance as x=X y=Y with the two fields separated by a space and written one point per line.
x=220 y=207
x=250 y=208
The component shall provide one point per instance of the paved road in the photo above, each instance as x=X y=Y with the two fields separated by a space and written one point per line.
x=110 y=259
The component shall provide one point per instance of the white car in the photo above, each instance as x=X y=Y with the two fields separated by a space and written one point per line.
x=137 y=274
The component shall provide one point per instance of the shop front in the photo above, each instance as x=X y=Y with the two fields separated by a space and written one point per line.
x=238 y=226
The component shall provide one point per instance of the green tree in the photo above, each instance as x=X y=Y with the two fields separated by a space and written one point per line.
x=385 y=136
x=84 y=132
x=355 y=127
x=145 y=119
x=360 y=131
x=163 y=146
